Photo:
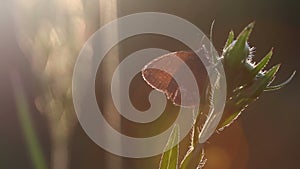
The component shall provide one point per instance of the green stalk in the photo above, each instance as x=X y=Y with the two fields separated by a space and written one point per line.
x=35 y=152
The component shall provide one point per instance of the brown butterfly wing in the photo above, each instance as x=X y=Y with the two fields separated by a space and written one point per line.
x=164 y=82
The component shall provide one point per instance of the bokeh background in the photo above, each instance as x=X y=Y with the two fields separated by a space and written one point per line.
x=266 y=136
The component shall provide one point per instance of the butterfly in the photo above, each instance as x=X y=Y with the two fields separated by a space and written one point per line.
x=164 y=81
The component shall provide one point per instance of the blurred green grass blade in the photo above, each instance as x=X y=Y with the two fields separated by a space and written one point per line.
x=169 y=159
x=276 y=87
x=33 y=145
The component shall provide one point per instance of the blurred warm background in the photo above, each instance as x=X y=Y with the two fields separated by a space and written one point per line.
x=40 y=40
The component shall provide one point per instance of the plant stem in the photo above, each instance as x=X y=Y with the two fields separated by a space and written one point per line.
x=60 y=143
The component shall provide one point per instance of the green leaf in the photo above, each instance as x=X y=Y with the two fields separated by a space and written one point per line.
x=250 y=71
x=262 y=82
x=229 y=39
x=262 y=64
x=194 y=158
x=245 y=96
x=276 y=87
x=244 y=35
x=238 y=50
x=169 y=159
x=234 y=57
x=253 y=90
x=229 y=120
x=187 y=159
